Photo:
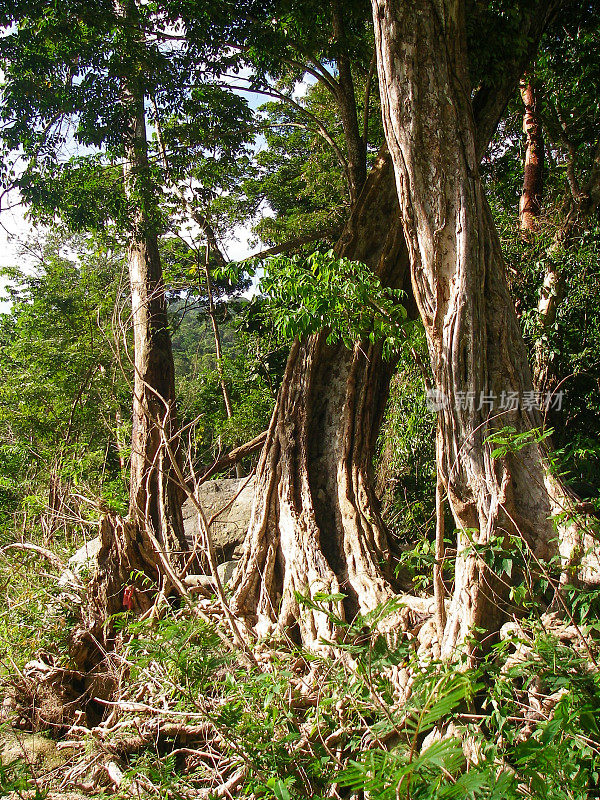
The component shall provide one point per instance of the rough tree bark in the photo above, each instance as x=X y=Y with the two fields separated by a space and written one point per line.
x=315 y=523
x=155 y=498
x=530 y=203
x=475 y=344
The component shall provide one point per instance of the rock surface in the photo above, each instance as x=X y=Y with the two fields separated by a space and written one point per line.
x=229 y=529
x=226 y=571
x=85 y=557
x=198 y=583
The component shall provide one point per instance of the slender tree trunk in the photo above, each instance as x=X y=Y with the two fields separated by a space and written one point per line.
x=212 y=313
x=315 y=524
x=140 y=554
x=530 y=204
x=582 y=204
x=476 y=349
x=120 y=443
x=56 y=495
x=217 y=338
x=356 y=146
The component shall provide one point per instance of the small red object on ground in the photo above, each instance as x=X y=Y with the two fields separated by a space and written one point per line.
x=128 y=596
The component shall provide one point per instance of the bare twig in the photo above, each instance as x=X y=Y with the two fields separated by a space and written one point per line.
x=40 y=551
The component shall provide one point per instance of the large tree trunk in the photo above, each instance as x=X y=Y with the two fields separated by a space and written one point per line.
x=155 y=498
x=315 y=518
x=315 y=523
x=475 y=344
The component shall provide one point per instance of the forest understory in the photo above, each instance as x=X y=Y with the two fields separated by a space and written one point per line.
x=300 y=400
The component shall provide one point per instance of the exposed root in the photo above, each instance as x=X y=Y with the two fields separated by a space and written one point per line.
x=45 y=696
x=578 y=534
x=110 y=721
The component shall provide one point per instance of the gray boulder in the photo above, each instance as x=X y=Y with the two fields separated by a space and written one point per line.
x=199 y=584
x=228 y=531
x=85 y=558
x=226 y=570
x=81 y=562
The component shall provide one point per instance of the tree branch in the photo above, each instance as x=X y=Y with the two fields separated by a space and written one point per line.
x=272 y=92
x=234 y=456
x=293 y=244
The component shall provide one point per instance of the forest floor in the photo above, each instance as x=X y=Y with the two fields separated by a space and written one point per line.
x=179 y=711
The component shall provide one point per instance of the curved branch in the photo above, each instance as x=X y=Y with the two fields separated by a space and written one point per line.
x=292 y=244
x=321 y=127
